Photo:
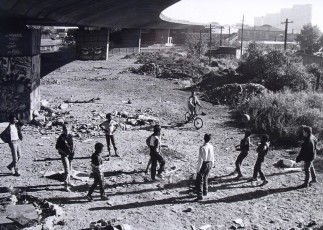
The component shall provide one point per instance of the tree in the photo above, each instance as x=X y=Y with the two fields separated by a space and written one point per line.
x=275 y=69
x=310 y=39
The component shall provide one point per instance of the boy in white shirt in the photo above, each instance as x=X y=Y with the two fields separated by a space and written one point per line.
x=109 y=127
x=204 y=165
x=13 y=136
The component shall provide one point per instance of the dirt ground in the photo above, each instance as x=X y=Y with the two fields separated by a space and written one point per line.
x=166 y=204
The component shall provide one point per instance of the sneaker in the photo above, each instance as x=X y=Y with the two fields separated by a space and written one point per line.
x=11 y=170
x=251 y=180
x=104 y=197
x=239 y=177
x=312 y=182
x=265 y=182
x=199 y=198
x=204 y=193
x=305 y=185
x=117 y=155
x=16 y=174
x=89 y=197
x=67 y=189
x=159 y=175
x=71 y=184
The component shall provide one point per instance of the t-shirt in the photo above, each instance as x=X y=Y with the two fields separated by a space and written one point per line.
x=65 y=143
x=109 y=127
x=96 y=161
x=244 y=144
x=14 y=132
x=152 y=142
x=206 y=153
x=193 y=101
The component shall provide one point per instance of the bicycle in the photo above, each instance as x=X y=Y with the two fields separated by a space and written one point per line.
x=197 y=121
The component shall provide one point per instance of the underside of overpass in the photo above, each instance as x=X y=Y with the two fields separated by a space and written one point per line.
x=98 y=13
x=20 y=47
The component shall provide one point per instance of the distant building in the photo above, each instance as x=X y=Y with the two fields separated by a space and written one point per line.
x=300 y=15
x=264 y=33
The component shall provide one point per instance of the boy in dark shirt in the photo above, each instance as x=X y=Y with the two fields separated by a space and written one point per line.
x=262 y=151
x=65 y=148
x=96 y=161
x=307 y=154
x=244 y=150
x=154 y=142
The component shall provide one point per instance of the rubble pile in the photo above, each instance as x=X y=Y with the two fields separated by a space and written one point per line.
x=170 y=67
x=22 y=211
x=51 y=117
x=233 y=93
x=219 y=78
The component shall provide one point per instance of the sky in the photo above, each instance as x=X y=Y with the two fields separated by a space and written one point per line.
x=231 y=11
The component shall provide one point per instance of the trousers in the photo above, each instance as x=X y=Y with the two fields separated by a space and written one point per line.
x=202 y=178
x=15 y=152
x=98 y=180
x=156 y=157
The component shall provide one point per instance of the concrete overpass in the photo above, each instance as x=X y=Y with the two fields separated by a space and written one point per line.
x=98 y=13
x=20 y=46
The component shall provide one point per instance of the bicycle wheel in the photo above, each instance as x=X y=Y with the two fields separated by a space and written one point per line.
x=187 y=116
x=198 y=122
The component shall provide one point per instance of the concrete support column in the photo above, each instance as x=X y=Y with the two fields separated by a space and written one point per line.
x=19 y=72
x=92 y=44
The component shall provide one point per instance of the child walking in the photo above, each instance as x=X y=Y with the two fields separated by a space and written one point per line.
x=244 y=150
x=262 y=151
x=96 y=161
x=204 y=165
x=154 y=145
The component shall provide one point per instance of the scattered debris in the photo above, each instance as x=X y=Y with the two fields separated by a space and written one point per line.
x=92 y=100
x=285 y=163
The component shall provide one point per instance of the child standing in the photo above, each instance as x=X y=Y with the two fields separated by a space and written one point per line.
x=307 y=154
x=154 y=145
x=65 y=148
x=96 y=161
x=109 y=127
x=262 y=151
x=204 y=165
x=244 y=150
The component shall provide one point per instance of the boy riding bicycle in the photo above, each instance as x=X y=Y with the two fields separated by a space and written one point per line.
x=192 y=103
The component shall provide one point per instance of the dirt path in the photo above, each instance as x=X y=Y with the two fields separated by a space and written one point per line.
x=133 y=199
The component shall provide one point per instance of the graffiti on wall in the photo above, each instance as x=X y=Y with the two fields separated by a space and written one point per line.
x=19 y=86
x=92 y=53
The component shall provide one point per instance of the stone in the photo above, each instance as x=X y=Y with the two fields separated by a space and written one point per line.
x=60 y=121
x=205 y=227
x=49 y=124
x=44 y=103
x=189 y=209
x=63 y=106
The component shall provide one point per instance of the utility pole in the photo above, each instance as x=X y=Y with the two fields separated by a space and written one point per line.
x=221 y=28
x=286 y=28
x=210 y=44
x=241 y=36
x=139 y=45
x=200 y=45
x=229 y=35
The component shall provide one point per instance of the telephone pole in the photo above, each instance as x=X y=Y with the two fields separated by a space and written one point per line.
x=241 y=36
x=286 y=29
x=221 y=28
x=210 y=44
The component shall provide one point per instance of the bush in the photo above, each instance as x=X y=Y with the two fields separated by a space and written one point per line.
x=281 y=114
x=274 y=69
